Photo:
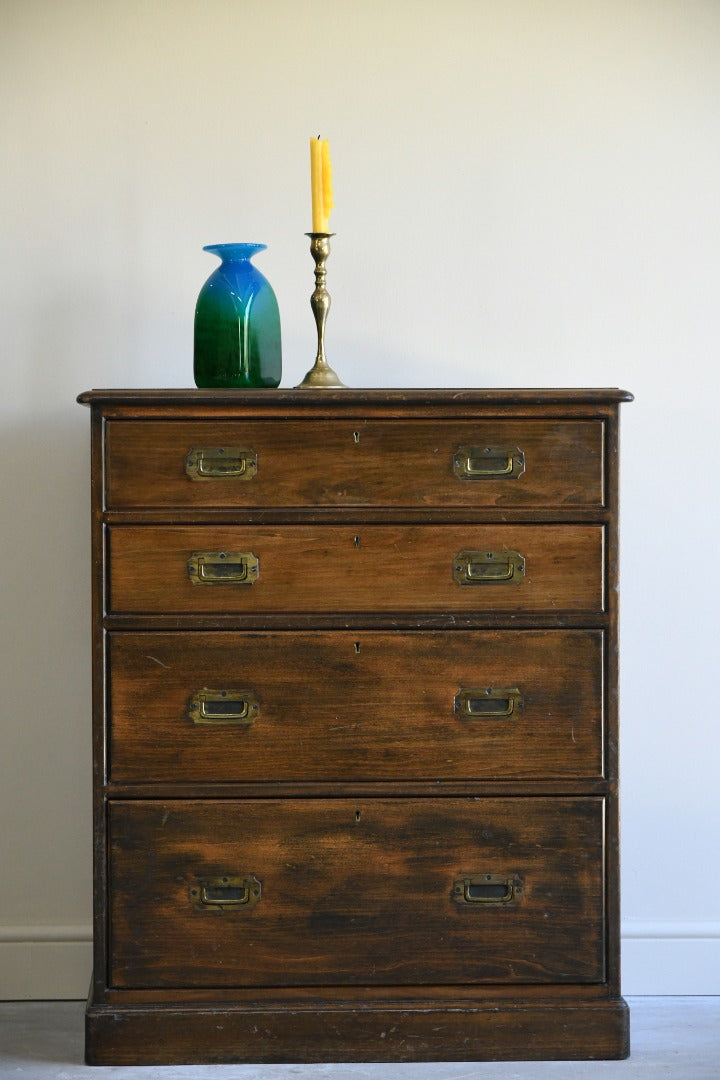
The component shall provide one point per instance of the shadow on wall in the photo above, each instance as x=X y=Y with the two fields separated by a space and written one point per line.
x=45 y=793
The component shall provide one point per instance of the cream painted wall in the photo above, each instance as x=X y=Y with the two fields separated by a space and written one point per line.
x=527 y=195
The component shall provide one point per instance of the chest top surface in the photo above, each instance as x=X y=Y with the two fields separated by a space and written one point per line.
x=353 y=398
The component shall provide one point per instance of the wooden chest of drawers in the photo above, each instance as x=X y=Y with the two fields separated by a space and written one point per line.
x=355 y=726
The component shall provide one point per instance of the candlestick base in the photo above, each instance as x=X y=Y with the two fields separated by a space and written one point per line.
x=321 y=376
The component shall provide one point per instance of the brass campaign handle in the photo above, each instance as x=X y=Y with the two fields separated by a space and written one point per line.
x=488 y=567
x=230 y=891
x=493 y=703
x=223 y=568
x=239 y=708
x=487 y=889
x=488 y=462
x=220 y=463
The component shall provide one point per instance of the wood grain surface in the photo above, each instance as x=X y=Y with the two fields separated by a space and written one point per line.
x=354 y=462
x=360 y=794
x=374 y=568
x=356 y=706
x=356 y=892
x=322 y=1031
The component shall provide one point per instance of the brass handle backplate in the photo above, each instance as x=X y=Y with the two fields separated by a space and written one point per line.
x=221 y=463
x=489 y=568
x=232 y=891
x=493 y=703
x=488 y=462
x=239 y=708
x=223 y=568
x=487 y=889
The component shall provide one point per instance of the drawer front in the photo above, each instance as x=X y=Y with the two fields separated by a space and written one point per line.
x=355 y=706
x=370 y=568
x=354 y=462
x=338 y=892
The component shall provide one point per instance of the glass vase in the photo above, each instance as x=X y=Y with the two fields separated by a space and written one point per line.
x=237 y=323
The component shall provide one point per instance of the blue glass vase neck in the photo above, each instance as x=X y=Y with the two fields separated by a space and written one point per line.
x=234 y=252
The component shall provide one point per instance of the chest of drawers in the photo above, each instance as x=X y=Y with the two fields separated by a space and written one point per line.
x=355 y=726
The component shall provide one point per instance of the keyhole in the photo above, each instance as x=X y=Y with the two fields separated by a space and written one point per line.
x=357 y=646
x=357 y=815
x=356 y=541
x=356 y=436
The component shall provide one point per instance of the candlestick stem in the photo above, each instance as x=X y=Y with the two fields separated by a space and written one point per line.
x=321 y=375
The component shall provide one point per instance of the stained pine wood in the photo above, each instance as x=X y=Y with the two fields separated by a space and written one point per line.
x=333 y=872
x=367 y=568
x=384 y=709
x=487 y=1030
x=547 y=983
x=355 y=462
x=404 y=400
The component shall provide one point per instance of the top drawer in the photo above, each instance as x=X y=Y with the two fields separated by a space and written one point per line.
x=334 y=462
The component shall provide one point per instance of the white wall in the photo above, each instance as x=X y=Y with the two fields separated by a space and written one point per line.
x=527 y=195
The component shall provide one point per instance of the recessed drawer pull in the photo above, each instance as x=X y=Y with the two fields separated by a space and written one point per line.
x=489 y=567
x=226 y=707
x=487 y=889
x=238 y=891
x=221 y=463
x=490 y=704
x=223 y=568
x=488 y=462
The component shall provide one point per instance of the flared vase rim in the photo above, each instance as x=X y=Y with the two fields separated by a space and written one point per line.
x=234 y=251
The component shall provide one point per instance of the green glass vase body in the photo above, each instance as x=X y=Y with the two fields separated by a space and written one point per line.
x=237 y=323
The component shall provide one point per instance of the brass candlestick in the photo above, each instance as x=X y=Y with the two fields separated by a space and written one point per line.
x=321 y=376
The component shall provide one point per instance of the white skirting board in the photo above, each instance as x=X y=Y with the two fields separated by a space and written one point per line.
x=54 y=963
x=50 y=963
x=670 y=958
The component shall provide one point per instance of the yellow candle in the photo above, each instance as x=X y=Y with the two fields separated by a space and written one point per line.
x=326 y=182
x=321 y=184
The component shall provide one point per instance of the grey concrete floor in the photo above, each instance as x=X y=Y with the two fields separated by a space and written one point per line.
x=672 y=1037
